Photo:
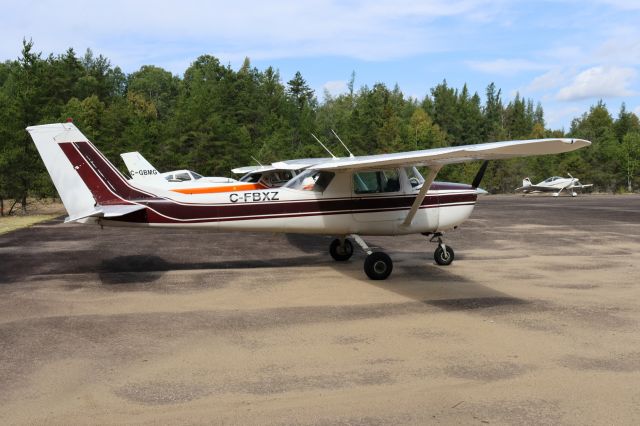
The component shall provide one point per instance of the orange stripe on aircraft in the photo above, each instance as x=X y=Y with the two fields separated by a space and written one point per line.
x=217 y=189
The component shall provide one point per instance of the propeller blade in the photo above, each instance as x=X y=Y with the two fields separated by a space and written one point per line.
x=480 y=174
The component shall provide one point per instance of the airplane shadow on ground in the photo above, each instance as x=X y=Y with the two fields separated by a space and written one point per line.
x=428 y=283
x=148 y=268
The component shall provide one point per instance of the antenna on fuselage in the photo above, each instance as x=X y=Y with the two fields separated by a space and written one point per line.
x=325 y=148
x=254 y=159
x=345 y=146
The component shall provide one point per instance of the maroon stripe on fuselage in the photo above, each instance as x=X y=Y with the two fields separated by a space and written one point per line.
x=159 y=208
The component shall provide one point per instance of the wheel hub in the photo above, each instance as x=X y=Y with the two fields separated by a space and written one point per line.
x=379 y=267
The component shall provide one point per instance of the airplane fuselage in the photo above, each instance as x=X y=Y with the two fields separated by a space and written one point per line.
x=442 y=209
x=345 y=203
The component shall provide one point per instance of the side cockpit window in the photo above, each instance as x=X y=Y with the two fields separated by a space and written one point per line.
x=373 y=182
x=183 y=176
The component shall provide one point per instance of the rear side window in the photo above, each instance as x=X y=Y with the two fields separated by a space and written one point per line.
x=372 y=182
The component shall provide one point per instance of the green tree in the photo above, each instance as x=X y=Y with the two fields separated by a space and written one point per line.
x=631 y=150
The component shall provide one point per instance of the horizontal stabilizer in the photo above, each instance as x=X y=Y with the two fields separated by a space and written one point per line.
x=107 y=211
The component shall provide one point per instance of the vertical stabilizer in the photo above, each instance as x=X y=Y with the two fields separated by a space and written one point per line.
x=141 y=171
x=84 y=178
x=75 y=195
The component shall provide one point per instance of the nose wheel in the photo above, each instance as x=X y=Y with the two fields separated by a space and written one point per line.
x=444 y=254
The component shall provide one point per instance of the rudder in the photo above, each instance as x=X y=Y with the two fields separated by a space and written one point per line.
x=83 y=177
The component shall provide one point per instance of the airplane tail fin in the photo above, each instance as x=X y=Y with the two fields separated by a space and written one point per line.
x=526 y=182
x=86 y=181
x=141 y=170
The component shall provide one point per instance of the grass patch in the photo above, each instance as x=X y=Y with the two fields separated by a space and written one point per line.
x=11 y=223
x=38 y=210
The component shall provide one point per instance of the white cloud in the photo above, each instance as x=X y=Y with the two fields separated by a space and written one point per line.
x=636 y=111
x=599 y=82
x=370 y=30
x=549 y=80
x=335 y=87
x=557 y=117
x=506 y=66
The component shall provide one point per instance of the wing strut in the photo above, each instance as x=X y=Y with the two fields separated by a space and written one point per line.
x=433 y=171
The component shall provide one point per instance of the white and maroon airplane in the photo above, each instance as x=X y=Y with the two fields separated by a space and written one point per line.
x=347 y=197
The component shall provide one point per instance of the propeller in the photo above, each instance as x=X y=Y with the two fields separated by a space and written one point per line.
x=480 y=174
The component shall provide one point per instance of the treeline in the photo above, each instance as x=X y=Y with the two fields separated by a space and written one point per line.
x=215 y=118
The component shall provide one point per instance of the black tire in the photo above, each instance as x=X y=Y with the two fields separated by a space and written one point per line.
x=378 y=266
x=339 y=252
x=443 y=258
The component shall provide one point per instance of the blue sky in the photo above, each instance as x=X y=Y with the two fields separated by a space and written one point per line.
x=565 y=54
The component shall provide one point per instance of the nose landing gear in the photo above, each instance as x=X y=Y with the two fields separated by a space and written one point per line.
x=443 y=255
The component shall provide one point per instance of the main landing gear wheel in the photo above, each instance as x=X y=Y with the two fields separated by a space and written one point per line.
x=378 y=265
x=341 y=251
x=444 y=256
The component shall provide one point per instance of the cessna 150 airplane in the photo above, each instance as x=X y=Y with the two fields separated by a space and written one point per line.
x=143 y=172
x=555 y=184
x=188 y=182
x=346 y=197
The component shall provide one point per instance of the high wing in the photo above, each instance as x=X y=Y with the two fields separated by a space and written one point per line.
x=458 y=154
x=250 y=169
x=297 y=164
x=300 y=163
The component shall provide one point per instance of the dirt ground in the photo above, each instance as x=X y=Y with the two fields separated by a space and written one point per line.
x=536 y=322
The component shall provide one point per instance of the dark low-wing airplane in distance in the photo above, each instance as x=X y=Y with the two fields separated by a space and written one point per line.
x=345 y=197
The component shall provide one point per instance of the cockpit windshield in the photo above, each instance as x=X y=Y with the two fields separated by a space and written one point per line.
x=553 y=178
x=311 y=180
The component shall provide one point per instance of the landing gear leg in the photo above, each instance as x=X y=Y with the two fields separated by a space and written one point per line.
x=444 y=254
x=377 y=264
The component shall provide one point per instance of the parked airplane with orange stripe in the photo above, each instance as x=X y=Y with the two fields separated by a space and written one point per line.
x=182 y=181
x=189 y=182
x=346 y=197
